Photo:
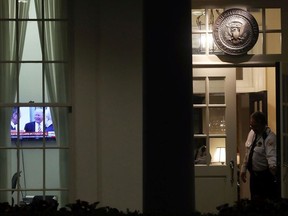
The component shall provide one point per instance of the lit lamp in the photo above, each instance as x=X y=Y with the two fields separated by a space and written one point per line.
x=220 y=155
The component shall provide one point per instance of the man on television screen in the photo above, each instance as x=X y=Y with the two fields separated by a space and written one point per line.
x=14 y=119
x=48 y=121
x=37 y=124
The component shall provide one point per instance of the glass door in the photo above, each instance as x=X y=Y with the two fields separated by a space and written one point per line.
x=214 y=95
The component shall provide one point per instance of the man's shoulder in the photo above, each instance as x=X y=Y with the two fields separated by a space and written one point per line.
x=270 y=133
x=29 y=124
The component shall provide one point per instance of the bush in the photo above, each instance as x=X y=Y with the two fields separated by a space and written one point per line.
x=243 y=207
x=247 y=207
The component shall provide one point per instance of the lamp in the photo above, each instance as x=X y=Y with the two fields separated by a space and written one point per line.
x=220 y=155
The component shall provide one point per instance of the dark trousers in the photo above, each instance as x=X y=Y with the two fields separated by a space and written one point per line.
x=263 y=185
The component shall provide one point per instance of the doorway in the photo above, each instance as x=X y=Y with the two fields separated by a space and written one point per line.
x=261 y=96
x=242 y=89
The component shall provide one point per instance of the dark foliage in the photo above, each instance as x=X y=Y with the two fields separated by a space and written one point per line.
x=256 y=208
x=81 y=208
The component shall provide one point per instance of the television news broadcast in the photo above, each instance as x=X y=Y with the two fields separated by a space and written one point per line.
x=34 y=123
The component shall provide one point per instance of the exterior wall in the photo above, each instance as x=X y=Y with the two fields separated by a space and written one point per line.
x=107 y=144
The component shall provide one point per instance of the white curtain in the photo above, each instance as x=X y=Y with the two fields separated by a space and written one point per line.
x=53 y=38
x=9 y=76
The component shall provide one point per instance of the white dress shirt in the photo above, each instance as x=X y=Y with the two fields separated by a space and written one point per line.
x=264 y=155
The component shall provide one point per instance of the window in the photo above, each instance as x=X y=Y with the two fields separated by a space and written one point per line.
x=210 y=120
x=268 y=19
x=34 y=67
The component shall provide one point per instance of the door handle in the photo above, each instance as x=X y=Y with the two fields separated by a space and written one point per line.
x=231 y=164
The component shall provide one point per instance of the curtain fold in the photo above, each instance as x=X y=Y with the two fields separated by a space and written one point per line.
x=53 y=37
x=9 y=77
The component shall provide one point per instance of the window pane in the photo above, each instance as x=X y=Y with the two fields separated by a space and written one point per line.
x=198 y=19
x=56 y=40
x=257 y=14
x=55 y=9
x=32 y=10
x=196 y=43
x=26 y=10
x=199 y=122
x=5 y=118
x=258 y=47
x=213 y=48
x=53 y=169
x=62 y=125
x=273 y=43
x=32 y=46
x=212 y=16
x=218 y=151
x=216 y=90
x=7 y=41
x=199 y=89
x=7 y=9
x=273 y=18
x=30 y=83
x=201 y=153
x=217 y=123
x=33 y=168
x=56 y=85
x=8 y=82
x=6 y=173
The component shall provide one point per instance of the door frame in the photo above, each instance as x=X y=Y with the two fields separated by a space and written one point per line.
x=278 y=100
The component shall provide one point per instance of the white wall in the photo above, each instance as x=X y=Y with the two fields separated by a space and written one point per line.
x=108 y=103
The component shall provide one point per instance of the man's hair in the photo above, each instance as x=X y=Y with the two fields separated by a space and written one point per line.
x=259 y=117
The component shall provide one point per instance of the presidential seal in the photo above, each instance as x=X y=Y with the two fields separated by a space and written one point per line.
x=235 y=31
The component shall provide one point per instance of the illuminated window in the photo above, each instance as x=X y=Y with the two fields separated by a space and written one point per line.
x=34 y=86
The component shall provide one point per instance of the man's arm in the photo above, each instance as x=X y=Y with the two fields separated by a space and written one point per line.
x=271 y=152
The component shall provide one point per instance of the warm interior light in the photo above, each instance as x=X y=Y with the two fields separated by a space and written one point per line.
x=238 y=158
x=220 y=155
x=205 y=42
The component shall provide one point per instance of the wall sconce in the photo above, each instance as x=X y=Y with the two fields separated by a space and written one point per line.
x=220 y=155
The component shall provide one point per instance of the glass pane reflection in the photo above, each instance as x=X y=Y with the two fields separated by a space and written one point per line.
x=218 y=151
x=217 y=124
x=273 y=43
x=201 y=153
x=199 y=87
x=216 y=90
x=273 y=18
x=199 y=121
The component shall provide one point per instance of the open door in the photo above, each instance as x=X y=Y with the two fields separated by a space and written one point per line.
x=214 y=109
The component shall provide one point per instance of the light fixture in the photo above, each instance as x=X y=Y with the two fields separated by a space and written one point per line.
x=22 y=1
x=220 y=155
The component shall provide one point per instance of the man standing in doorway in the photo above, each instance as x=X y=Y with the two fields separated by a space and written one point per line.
x=260 y=159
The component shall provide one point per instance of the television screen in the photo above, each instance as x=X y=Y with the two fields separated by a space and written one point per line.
x=34 y=123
